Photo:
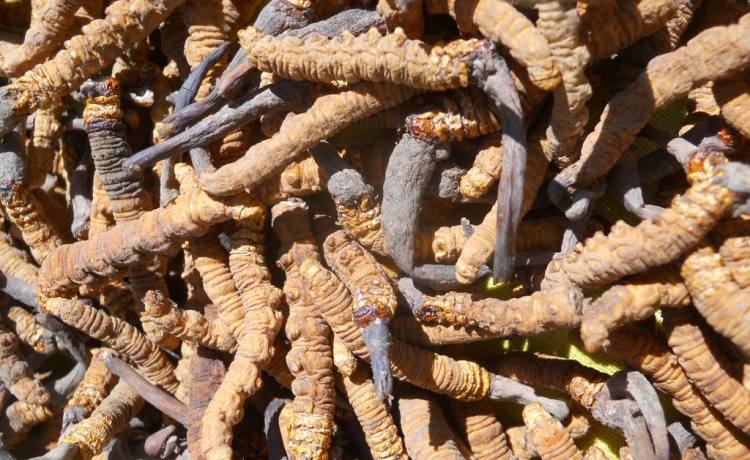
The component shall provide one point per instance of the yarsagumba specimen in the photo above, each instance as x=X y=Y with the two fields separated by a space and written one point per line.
x=484 y=434
x=130 y=243
x=310 y=358
x=119 y=335
x=646 y=353
x=29 y=331
x=656 y=87
x=540 y=312
x=407 y=328
x=547 y=436
x=733 y=237
x=93 y=434
x=328 y=115
x=634 y=300
x=357 y=205
x=426 y=431
x=716 y=295
x=630 y=250
x=20 y=204
x=699 y=355
x=481 y=244
x=84 y=55
x=361 y=58
x=559 y=23
x=206 y=373
x=502 y=23
x=463 y=380
x=484 y=172
x=16 y=375
x=90 y=392
x=41 y=39
x=187 y=325
x=373 y=414
x=374 y=300
x=206 y=32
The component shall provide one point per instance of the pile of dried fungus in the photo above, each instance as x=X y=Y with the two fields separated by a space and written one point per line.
x=245 y=229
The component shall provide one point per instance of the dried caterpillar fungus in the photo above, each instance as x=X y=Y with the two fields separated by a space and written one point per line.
x=547 y=435
x=16 y=375
x=99 y=44
x=484 y=434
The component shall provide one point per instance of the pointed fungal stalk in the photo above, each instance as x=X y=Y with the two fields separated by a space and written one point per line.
x=374 y=301
x=328 y=115
x=154 y=395
x=278 y=97
x=495 y=79
x=409 y=170
x=480 y=245
x=505 y=389
x=84 y=55
x=627 y=183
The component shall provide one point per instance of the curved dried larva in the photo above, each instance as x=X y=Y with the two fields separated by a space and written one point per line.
x=104 y=125
x=260 y=322
x=705 y=366
x=426 y=431
x=438 y=373
x=502 y=23
x=392 y=58
x=562 y=375
x=15 y=373
x=14 y=262
x=484 y=172
x=381 y=433
x=101 y=41
x=634 y=301
x=328 y=115
x=716 y=296
x=187 y=325
x=559 y=23
x=483 y=432
x=206 y=374
x=713 y=54
x=108 y=419
x=734 y=248
x=410 y=20
x=92 y=389
x=547 y=436
x=45 y=141
x=603 y=259
x=539 y=312
x=408 y=329
x=42 y=38
x=733 y=96
x=27 y=213
x=373 y=294
x=310 y=360
x=359 y=214
x=298 y=179
x=118 y=335
x=29 y=331
x=481 y=244
x=110 y=254
x=19 y=418
x=647 y=354
x=206 y=32
x=457 y=115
